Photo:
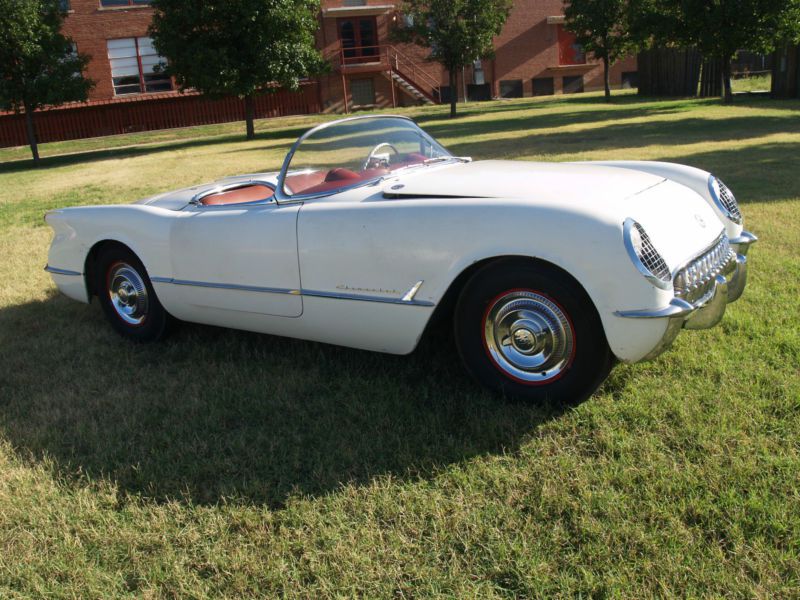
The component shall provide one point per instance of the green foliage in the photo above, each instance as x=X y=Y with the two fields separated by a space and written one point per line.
x=722 y=27
x=38 y=65
x=236 y=48
x=718 y=28
x=456 y=31
x=601 y=27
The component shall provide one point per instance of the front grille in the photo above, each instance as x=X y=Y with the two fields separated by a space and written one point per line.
x=728 y=200
x=650 y=257
x=696 y=279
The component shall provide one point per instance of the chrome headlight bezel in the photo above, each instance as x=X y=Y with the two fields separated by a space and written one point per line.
x=715 y=190
x=637 y=244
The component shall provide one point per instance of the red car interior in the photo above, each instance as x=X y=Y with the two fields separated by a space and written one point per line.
x=247 y=193
x=307 y=183
x=321 y=181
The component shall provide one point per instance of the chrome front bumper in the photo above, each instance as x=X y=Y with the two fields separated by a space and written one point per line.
x=726 y=286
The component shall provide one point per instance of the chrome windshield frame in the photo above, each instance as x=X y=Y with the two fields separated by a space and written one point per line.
x=282 y=197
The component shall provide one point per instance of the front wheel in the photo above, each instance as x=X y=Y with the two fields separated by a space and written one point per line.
x=127 y=296
x=530 y=332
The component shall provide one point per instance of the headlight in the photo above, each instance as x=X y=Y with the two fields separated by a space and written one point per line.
x=645 y=256
x=724 y=199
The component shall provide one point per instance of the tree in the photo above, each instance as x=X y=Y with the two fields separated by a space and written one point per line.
x=458 y=32
x=602 y=28
x=241 y=48
x=38 y=65
x=720 y=28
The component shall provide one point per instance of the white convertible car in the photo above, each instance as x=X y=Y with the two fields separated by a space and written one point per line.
x=550 y=272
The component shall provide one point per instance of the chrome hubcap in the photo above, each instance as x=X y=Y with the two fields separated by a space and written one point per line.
x=528 y=336
x=128 y=293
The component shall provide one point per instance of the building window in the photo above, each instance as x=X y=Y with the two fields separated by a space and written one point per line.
x=543 y=86
x=511 y=88
x=133 y=62
x=359 y=38
x=123 y=2
x=570 y=52
x=363 y=92
x=64 y=5
x=573 y=84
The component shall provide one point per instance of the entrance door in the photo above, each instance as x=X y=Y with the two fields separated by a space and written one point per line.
x=359 y=37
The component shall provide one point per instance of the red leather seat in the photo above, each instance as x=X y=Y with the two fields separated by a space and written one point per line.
x=340 y=174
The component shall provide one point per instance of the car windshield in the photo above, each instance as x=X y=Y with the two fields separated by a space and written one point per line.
x=356 y=151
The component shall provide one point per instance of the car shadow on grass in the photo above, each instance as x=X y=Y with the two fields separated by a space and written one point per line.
x=216 y=415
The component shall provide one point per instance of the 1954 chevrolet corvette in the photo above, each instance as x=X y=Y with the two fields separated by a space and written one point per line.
x=550 y=272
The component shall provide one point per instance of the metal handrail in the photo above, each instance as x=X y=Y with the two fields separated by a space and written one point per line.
x=394 y=59
x=416 y=73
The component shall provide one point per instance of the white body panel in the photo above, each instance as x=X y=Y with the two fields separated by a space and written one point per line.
x=248 y=246
x=286 y=266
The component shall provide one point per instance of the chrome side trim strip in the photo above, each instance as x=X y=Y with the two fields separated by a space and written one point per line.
x=225 y=286
x=409 y=295
x=57 y=271
x=304 y=292
x=382 y=299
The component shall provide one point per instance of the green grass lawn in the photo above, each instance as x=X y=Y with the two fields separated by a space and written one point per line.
x=753 y=83
x=228 y=463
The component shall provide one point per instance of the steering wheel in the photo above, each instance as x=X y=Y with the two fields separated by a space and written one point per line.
x=371 y=157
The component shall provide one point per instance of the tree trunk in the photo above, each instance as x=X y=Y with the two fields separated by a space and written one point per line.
x=727 y=96
x=249 y=115
x=453 y=91
x=605 y=79
x=31 y=127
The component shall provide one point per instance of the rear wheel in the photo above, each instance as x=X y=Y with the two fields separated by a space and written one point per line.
x=530 y=332
x=127 y=296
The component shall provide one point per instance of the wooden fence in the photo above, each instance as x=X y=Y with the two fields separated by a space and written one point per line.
x=786 y=72
x=147 y=113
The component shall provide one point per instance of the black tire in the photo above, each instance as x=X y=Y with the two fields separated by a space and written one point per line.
x=513 y=313
x=118 y=267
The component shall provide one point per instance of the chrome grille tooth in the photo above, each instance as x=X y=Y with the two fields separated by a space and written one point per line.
x=695 y=279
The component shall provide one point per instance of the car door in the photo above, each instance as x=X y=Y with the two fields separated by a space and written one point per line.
x=239 y=258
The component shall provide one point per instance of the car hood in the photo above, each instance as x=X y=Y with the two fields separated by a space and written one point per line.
x=564 y=182
x=679 y=221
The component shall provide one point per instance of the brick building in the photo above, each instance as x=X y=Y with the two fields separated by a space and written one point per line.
x=534 y=55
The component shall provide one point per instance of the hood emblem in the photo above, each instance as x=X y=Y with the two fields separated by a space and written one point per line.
x=398 y=186
x=700 y=221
